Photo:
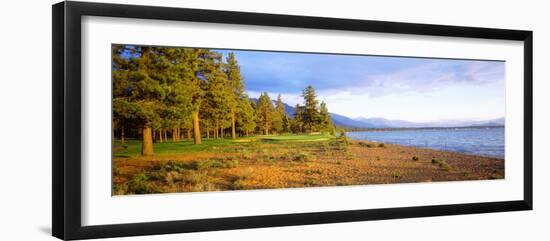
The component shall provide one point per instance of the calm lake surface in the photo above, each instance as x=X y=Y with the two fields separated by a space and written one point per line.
x=476 y=141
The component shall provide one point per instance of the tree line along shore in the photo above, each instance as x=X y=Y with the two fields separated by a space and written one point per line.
x=170 y=91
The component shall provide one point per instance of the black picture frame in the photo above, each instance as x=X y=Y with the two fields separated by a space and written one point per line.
x=66 y=157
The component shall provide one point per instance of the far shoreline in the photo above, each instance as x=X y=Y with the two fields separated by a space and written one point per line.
x=420 y=128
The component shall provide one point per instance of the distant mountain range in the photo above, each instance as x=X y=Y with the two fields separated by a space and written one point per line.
x=385 y=123
x=377 y=122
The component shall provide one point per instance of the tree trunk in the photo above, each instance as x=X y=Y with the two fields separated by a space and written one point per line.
x=207 y=134
x=147 y=143
x=246 y=132
x=233 y=136
x=165 y=136
x=221 y=131
x=196 y=127
x=188 y=134
x=216 y=132
x=122 y=135
x=160 y=135
x=173 y=134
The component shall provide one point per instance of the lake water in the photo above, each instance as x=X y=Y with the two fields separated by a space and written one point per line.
x=476 y=141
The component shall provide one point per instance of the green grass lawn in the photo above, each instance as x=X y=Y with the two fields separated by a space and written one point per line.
x=133 y=147
x=296 y=138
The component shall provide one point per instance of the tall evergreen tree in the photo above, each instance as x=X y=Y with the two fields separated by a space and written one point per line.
x=194 y=59
x=235 y=81
x=265 y=113
x=325 y=120
x=218 y=94
x=298 y=123
x=285 y=121
x=310 y=116
x=138 y=89
x=246 y=116
x=280 y=115
x=178 y=74
x=122 y=108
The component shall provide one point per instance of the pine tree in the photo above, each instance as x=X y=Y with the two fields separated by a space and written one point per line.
x=310 y=116
x=218 y=94
x=245 y=117
x=298 y=123
x=265 y=113
x=235 y=81
x=122 y=112
x=178 y=75
x=137 y=89
x=325 y=120
x=278 y=118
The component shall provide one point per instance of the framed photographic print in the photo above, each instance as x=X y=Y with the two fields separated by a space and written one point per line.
x=170 y=120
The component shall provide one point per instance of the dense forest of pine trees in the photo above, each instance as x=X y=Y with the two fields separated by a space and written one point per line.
x=192 y=93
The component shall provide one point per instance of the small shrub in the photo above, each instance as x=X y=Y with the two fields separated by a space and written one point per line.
x=364 y=144
x=193 y=177
x=415 y=158
x=238 y=184
x=382 y=145
x=343 y=139
x=338 y=163
x=345 y=182
x=186 y=176
x=445 y=166
x=309 y=182
x=311 y=172
x=342 y=134
x=210 y=163
x=436 y=161
x=466 y=174
x=139 y=184
x=120 y=189
x=204 y=187
x=215 y=163
x=396 y=174
x=240 y=179
x=442 y=164
x=171 y=177
x=156 y=175
x=231 y=164
x=246 y=156
x=301 y=157
x=176 y=166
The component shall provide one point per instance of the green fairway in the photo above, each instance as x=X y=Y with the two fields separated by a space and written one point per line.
x=296 y=138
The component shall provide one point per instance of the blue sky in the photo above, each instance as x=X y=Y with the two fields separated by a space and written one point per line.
x=413 y=89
